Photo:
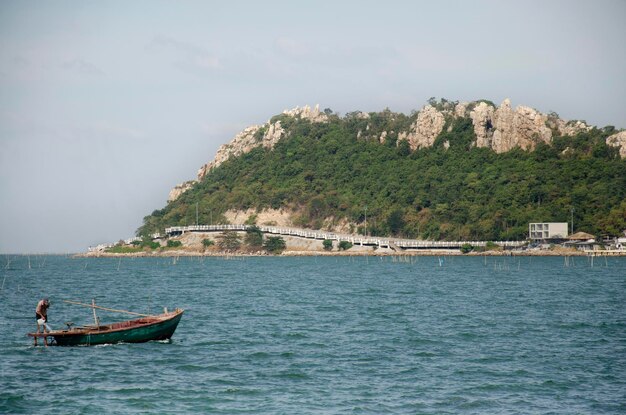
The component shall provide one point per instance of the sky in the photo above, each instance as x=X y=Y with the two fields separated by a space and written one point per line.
x=107 y=105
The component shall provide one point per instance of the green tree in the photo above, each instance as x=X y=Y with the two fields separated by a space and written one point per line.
x=229 y=240
x=275 y=244
x=146 y=241
x=251 y=220
x=328 y=244
x=466 y=248
x=491 y=246
x=345 y=245
x=395 y=221
x=254 y=237
x=206 y=242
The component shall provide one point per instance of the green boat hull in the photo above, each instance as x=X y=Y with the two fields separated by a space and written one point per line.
x=160 y=330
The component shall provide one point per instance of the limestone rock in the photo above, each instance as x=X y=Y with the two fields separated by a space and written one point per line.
x=273 y=135
x=383 y=137
x=503 y=129
x=523 y=128
x=241 y=144
x=618 y=140
x=179 y=189
x=571 y=127
x=266 y=135
x=483 y=116
x=314 y=115
x=425 y=129
x=460 y=110
x=500 y=129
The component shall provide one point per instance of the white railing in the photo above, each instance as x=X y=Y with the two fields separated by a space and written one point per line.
x=354 y=239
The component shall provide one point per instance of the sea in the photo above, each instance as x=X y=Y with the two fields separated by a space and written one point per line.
x=323 y=335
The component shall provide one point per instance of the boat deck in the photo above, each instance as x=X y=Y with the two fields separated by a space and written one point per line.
x=117 y=326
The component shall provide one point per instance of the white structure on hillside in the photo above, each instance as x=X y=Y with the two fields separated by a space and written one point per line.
x=547 y=230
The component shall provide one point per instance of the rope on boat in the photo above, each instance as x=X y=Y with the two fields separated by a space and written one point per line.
x=107 y=309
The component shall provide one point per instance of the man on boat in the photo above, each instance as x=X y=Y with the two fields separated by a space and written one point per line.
x=41 y=314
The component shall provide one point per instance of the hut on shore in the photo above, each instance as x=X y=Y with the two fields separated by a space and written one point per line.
x=581 y=240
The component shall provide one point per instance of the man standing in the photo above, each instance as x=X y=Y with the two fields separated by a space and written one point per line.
x=41 y=314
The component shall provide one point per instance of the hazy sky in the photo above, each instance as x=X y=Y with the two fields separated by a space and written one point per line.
x=106 y=105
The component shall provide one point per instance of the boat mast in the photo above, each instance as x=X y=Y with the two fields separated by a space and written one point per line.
x=93 y=307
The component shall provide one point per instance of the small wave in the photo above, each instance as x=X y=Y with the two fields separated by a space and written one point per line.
x=553 y=384
x=477 y=404
x=242 y=391
x=295 y=375
x=424 y=354
x=423 y=341
x=314 y=345
x=297 y=335
x=130 y=391
x=12 y=403
x=191 y=368
x=468 y=335
x=259 y=355
x=575 y=325
x=488 y=387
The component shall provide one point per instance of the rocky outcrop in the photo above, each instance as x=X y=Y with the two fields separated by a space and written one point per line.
x=523 y=127
x=266 y=135
x=483 y=118
x=569 y=127
x=460 y=110
x=425 y=129
x=498 y=128
x=306 y=113
x=273 y=135
x=503 y=129
x=242 y=143
x=618 y=140
x=179 y=189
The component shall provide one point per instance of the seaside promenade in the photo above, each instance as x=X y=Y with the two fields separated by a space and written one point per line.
x=396 y=244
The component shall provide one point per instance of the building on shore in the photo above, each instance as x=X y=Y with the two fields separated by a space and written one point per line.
x=543 y=231
x=582 y=241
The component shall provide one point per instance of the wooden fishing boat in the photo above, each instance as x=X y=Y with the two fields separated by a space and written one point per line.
x=143 y=329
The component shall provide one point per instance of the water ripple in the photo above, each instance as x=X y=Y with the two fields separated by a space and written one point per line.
x=325 y=335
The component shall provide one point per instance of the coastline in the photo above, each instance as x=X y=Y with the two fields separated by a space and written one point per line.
x=348 y=253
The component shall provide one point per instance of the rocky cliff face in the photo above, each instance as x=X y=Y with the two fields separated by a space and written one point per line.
x=498 y=128
x=503 y=128
x=425 y=129
x=179 y=189
x=618 y=140
x=266 y=135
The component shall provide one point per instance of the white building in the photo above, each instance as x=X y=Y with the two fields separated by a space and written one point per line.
x=547 y=230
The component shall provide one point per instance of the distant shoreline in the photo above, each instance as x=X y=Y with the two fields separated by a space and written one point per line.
x=181 y=253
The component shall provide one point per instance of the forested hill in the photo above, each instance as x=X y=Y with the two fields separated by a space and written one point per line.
x=327 y=170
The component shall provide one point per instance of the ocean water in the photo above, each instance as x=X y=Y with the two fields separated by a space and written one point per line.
x=323 y=335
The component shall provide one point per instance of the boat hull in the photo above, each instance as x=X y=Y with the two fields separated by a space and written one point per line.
x=135 y=331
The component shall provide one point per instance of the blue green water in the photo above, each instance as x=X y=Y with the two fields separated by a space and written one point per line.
x=324 y=335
